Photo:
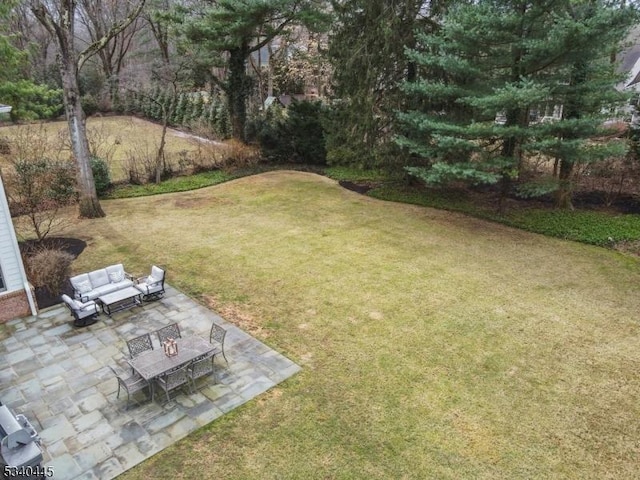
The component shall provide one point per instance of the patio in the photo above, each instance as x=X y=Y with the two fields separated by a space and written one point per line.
x=57 y=376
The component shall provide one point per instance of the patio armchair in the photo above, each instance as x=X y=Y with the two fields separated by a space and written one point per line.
x=172 y=380
x=152 y=287
x=170 y=331
x=131 y=385
x=216 y=336
x=139 y=345
x=84 y=313
x=200 y=367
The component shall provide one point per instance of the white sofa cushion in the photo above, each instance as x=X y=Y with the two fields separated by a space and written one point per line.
x=116 y=273
x=122 y=284
x=79 y=283
x=157 y=273
x=104 y=289
x=99 y=278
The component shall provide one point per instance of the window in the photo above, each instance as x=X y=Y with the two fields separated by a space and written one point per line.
x=3 y=287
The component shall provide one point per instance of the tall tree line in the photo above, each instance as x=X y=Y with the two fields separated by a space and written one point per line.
x=510 y=57
x=367 y=51
x=414 y=83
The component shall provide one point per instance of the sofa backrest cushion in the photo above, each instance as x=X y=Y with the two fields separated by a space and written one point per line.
x=99 y=278
x=81 y=282
x=157 y=273
x=116 y=273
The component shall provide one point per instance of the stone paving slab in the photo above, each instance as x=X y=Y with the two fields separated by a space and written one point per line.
x=57 y=376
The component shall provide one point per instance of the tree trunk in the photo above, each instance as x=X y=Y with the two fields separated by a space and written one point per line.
x=88 y=198
x=509 y=148
x=237 y=91
x=571 y=110
x=163 y=137
x=564 y=194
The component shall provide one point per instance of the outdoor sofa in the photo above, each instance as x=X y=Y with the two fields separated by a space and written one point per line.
x=89 y=286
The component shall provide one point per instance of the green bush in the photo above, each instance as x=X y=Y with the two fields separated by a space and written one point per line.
x=592 y=227
x=293 y=134
x=270 y=132
x=101 y=175
x=305 y=133
x=89 y=105
x=31 y=101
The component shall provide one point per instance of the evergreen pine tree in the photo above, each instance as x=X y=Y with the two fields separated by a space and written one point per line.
x=197 y=106
x=367 y=54
x=178 y=114
x=506 y=57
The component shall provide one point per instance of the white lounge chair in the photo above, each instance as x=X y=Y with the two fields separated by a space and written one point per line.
x=85 y=313
x=152 y=287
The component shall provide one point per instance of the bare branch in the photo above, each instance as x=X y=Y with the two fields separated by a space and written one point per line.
x=112 y=32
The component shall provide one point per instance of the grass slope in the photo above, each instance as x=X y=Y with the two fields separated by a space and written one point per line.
x=120 y=136
x=433 y=345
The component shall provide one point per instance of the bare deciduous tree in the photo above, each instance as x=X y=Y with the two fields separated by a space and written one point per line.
x=39 y=181
x=98 y=17
x=59 y=18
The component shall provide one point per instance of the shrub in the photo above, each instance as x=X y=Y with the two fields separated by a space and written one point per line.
x=140 y=165
x=239 y=155
x=41 y=180
x=270 y=130
x=101 y=175
x=305 y=132
x=5 y=146
x=31 y=101
x=89 y=105
x=292 y=135
x=50 y=268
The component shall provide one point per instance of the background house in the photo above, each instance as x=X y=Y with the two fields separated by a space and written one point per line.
x=16 y=294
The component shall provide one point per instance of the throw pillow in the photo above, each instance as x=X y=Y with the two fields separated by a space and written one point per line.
x=84 y=287
x=151 y=280
x=116 y=277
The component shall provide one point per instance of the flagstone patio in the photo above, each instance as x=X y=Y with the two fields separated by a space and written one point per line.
x=57 y=376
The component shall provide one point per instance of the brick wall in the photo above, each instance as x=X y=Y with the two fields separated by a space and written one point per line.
x=14 y=305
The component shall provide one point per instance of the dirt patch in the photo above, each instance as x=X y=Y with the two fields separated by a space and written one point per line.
x=73 y=246
x=190 y=203
x=197 y=202
x=630 y=248
x=359 y=187
x=233 y=314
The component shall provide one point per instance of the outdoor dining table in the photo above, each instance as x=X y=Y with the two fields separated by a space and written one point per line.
x=155 y=363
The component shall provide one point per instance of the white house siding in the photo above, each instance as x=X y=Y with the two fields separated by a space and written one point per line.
x=16 y=300
x=8 y=261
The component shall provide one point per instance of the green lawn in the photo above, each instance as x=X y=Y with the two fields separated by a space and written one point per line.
x=433 y=345
x=117 y=138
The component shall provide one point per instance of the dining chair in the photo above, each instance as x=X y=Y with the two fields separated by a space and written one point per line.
x=201 y=367
x=139 y=345
x=170 y=331
x=217 y=336
x=172 y=380
x=131 y=384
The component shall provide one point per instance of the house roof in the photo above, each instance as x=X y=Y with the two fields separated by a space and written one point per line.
x=630 y=59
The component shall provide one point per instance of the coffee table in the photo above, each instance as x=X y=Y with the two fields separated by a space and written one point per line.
x=120 y=300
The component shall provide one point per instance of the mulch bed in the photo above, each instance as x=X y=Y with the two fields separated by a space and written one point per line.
x=73 y=246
